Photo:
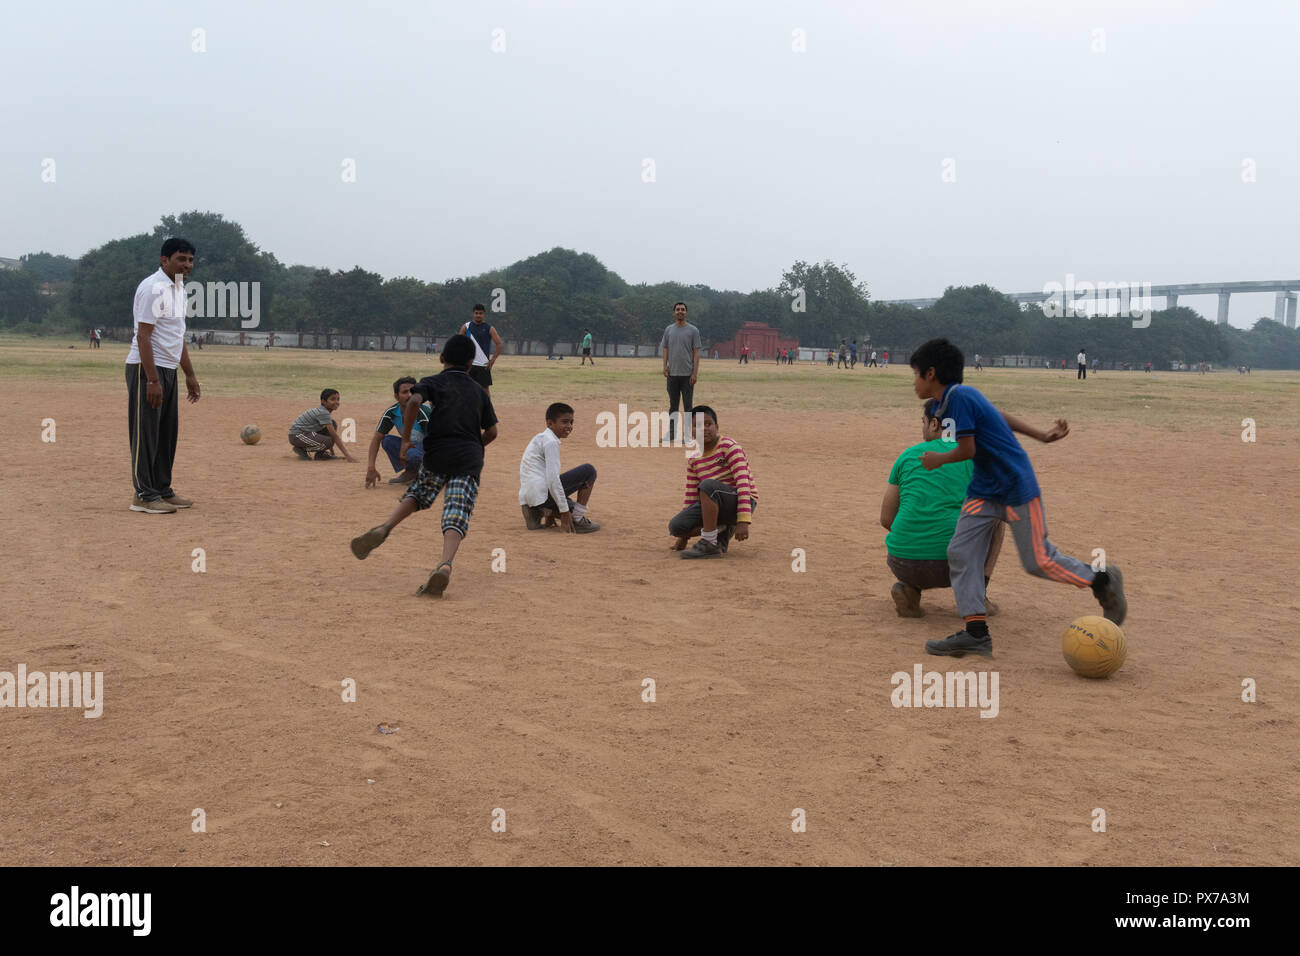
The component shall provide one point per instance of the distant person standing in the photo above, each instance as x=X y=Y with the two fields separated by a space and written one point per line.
x=94 y=338
x=744 y=356
x=978 y=365
x=484 y=338
x=1147 y=367
x=681 y=349
x=884 y=359
x=157 y=348
x=853 y=354
x=1082 y=359
x=844 y=356
x=586 y=348
x=873 y=361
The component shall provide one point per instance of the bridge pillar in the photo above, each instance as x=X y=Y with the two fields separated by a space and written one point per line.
x=1290 y=310
x=1223 y=307
x=1171 y=300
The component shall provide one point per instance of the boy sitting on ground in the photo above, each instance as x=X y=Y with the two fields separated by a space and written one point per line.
x=543 y=490
x=720 y=494
x=392 y=444
x=315 y=431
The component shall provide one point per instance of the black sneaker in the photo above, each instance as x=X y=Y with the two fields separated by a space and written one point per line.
x=703 y=549
x=301 y=453
x=724 y=537
x=963 y=642
x=1108 y=589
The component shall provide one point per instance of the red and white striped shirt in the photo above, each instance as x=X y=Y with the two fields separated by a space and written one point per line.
x=727 y=464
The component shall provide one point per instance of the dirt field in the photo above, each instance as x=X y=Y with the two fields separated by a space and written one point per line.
x=523 y=690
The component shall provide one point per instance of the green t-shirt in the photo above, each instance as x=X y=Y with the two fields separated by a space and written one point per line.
x=929 y=503
x=586 y=341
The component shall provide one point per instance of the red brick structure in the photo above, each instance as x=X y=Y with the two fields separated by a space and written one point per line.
x=764 y=342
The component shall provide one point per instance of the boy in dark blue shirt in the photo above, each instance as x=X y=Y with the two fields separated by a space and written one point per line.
x=1002 y=488
x=462 y=422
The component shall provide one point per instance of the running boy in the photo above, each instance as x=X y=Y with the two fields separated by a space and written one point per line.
x=1003 y=488
x=315 y=430
x=461 y=423
x=392 y=444
x=720 y=495
x=543 y=490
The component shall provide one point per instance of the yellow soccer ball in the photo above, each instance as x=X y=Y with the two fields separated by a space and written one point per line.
x=1094 y=646
x=251 y=435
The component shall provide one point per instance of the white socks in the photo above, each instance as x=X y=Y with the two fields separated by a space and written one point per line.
x=579 y=509
x=710 y=536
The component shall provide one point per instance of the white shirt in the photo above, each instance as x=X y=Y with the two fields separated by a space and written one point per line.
x=1083 y=359
x=160 y=302
x=539 y=472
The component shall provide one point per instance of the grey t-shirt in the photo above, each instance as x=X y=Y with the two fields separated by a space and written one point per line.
x=312 y=420
x=682 y=343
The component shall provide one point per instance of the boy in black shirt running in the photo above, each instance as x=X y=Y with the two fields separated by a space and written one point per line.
x=461 y=423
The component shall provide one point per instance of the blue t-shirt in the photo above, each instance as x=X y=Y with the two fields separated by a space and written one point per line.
x=1002 y=469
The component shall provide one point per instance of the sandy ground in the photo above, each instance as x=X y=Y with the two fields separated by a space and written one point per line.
x=523 y=690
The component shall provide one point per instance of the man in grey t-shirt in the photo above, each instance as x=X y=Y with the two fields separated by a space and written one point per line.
x=681 y=347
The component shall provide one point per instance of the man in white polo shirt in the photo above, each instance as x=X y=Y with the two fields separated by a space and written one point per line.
x=157 y=348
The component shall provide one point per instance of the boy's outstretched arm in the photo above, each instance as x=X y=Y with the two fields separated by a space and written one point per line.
x=964 y=451
x=1058 y=430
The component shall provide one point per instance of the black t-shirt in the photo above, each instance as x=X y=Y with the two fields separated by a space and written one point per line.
x=453 y=445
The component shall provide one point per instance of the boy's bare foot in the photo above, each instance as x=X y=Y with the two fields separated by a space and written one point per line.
x=679 y=544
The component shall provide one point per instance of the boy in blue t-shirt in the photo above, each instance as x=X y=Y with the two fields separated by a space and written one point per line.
x=1002 y=488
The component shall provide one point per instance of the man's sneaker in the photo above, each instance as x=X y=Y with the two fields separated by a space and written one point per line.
x=406 y=477
x=155 y=507
x=179 y=502
x=703 y=549
x=584 y=525
x=963 y=642
x=907 y=599
x=301 y=453
x=362 y=545
x=532 y=517
x=1108 y=589
x=324 y=456
x=724 y=537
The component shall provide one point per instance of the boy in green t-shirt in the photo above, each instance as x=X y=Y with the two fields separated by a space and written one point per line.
x=920 y=511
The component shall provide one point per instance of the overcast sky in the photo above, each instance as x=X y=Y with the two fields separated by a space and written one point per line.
x=1110 y=140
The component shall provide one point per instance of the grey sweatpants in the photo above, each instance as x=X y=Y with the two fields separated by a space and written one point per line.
x=970 y=546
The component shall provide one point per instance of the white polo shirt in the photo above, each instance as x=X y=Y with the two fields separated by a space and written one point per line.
x=539 y=471
x=1082 y=359
x=160 y=302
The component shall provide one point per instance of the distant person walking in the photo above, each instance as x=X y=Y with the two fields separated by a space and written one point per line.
x=744 y=356
x=853 y=354
x=484 y=337
x=157 y=348
x=586 y=348
x=1082 y=359
x=872 y=364
x=844 y=356
x=681 y=350
x=978 y=364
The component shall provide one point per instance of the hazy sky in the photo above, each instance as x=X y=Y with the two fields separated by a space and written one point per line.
x=1112 y=155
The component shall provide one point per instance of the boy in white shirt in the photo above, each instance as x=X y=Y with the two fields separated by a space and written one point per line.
x=543 y=490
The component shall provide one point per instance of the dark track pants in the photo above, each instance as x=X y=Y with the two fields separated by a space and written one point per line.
x=679 y=388
x=152 y=432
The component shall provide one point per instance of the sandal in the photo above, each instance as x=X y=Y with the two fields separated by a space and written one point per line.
x=438 y=580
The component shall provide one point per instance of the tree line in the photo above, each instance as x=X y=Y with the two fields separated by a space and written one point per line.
x=553 y=296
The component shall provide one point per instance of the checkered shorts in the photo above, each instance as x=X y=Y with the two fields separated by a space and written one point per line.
x=457 y=503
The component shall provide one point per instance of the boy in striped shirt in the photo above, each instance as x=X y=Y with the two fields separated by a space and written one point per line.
x=720 y=495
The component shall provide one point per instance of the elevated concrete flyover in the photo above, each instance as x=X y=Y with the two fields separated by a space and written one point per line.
x=1284 y=310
